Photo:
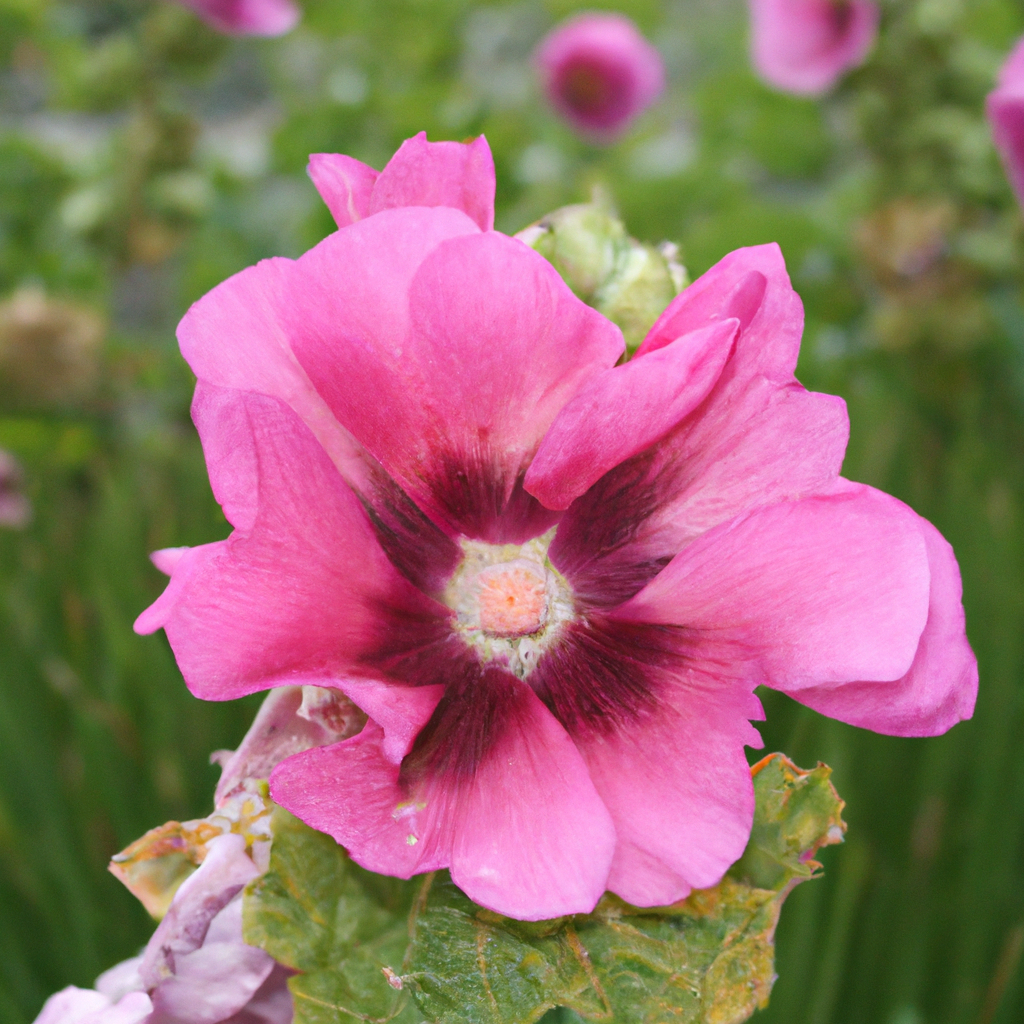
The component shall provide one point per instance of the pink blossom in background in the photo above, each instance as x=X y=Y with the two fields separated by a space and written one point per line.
x=599 y=73
x=15 y=510
x=195 y=969
x=550 y=581
x=1005 y=109
x=804 y=46
x=247 y=17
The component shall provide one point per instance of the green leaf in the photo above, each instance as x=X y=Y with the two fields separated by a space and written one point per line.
x=706 y=960
x=317 y=912
x=365 y=942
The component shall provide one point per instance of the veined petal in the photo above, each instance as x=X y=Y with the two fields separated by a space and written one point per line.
x=758 y=438
x=306 y=595
x=525 y=834
x=491 y=342
x=624 y=410
x=678 y=787
x=941 y=686
x=455 y=174
x=344 y=184
x=830 y=589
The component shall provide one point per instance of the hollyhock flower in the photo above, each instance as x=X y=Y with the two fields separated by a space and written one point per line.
x=599 y=73
x=15 y=510
x=551 y=582
x=803 y=46
x=195 y=969
x=1005 y=109
x=247 y=17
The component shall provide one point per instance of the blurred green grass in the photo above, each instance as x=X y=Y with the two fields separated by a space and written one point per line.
x=143 y=159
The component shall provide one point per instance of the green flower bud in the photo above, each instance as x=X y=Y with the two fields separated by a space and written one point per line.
x=629 y=282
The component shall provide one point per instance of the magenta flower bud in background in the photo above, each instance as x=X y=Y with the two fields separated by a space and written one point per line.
x=803 y=46
x=599 y=73
x=1005 y=108
x=247 y=17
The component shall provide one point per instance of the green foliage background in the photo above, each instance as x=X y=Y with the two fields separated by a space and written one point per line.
x=143 y=158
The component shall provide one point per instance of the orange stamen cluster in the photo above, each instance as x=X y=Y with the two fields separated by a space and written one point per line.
x=512 y=598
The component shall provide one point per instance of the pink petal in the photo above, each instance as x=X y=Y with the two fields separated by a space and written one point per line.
x=678 y=788
x=753 y=286
x=758 y=438
x=803 y=46
x=526 y=835
x=247 y=17
x=272 y=1003
x=494 y=346
x=240 y=335
x=829 y=589
x=455 y=174
x=941 y=687
x=304 y=596
x=401 y=711
x=624 y=410
x=167 y=559
x=1005 y=109
x=344 y=184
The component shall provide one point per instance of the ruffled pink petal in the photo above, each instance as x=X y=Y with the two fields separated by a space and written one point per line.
x=942 y=685
x=345 y=185
x=803 y=46
x=752 y=285
x=758 y=438
x=167 y=559
x=304 y=596
x=678 y=788
x=272 y=1003
x=624 y=410
x=248 y=17
x=455 y=174
x=494 y=345
x=526 y=835
x=401 y=711
x=240 y=335
x=831 y=589
x=1005 y=109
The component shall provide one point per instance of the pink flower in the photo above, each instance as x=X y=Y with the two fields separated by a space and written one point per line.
x=247 y=17
x=15 y=510
x=803 y=46
x=195 y=969
x=1005 y=109
x=552 y=582
x=599 y=73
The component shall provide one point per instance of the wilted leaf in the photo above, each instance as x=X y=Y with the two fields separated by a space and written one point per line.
x=706 y=960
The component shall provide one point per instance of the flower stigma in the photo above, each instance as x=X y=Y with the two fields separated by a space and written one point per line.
x=510 y=602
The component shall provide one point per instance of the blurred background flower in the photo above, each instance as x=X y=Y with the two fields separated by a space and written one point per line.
x=600 y=74
x=803 y=46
